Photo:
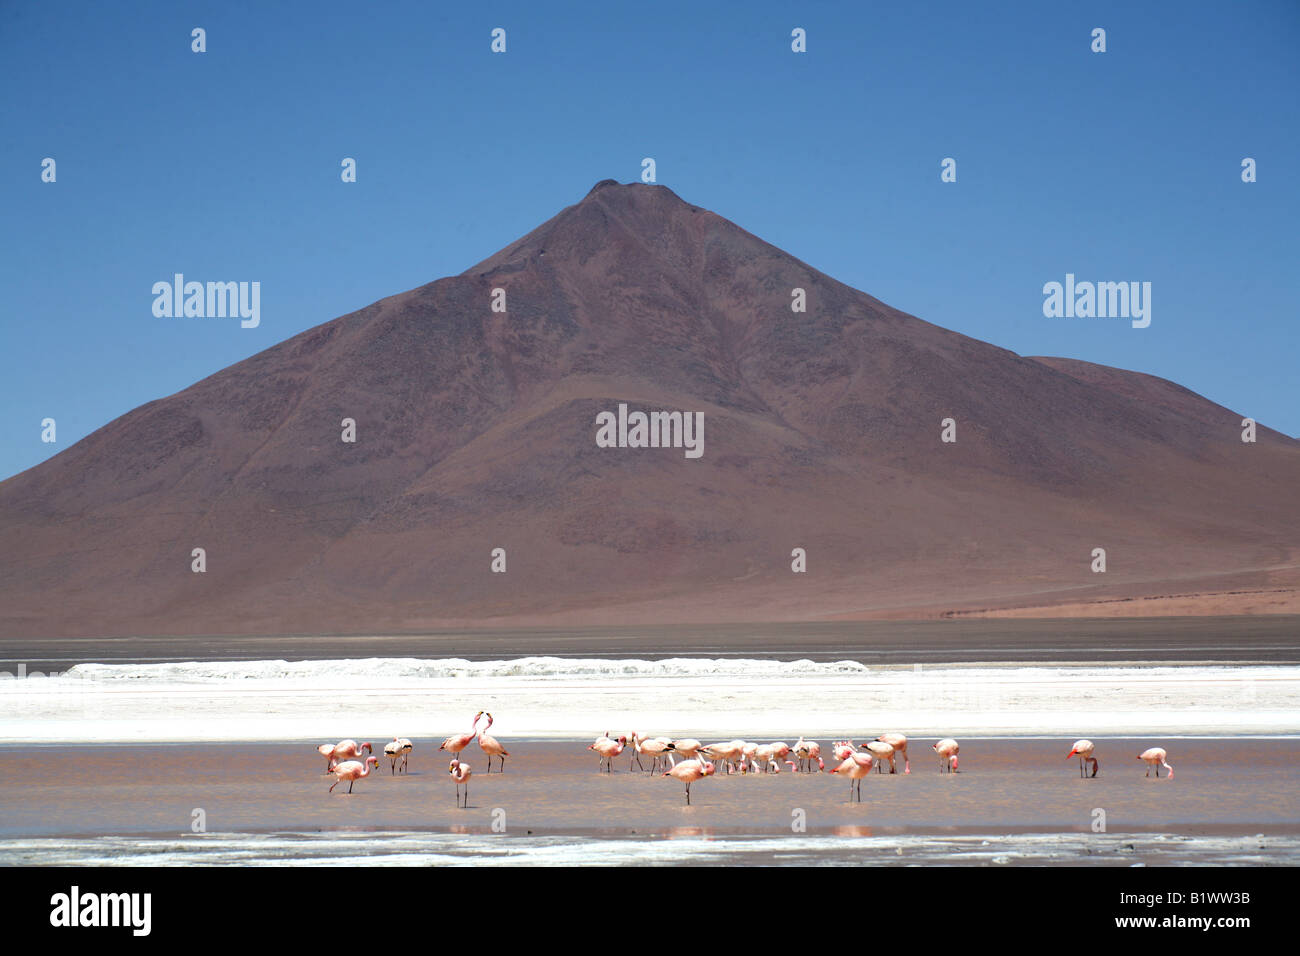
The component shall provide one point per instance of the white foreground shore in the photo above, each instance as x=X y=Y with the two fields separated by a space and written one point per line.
x=560 y=698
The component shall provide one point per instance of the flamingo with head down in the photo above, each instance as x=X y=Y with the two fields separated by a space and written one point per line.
x=1083 y=750
x=947 y=751
x=899 y=743
x=343 y=750
x=1155 y=757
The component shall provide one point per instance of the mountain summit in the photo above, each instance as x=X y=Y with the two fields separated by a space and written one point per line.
x=476 y=430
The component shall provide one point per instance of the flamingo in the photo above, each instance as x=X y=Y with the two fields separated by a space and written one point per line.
x=882 y=752
x=947 y=751
x=728 y=752
x=398 y=751
x=765 y=757
x=458 y=742
x=841 y=749
x=855 y=766
x=608 y=748
x=689 y=771
x=656 y=747
x=899 y=743
x=807 y=751
x=491 y=746
x=1083 y=750
x=393 y=751
x=771 y=755
x=351 y=771
x=460 y=772
x=688 y=747
x=343 y=750
x=1155 y=757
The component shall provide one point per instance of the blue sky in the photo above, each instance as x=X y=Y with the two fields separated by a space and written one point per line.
x=225 y=166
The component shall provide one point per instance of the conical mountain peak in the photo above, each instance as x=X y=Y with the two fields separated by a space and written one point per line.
x=475 y=400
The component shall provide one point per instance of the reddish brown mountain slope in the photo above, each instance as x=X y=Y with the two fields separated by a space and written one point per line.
x=476 y=430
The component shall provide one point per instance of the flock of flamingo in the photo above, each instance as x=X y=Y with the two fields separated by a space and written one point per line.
x=698 y=760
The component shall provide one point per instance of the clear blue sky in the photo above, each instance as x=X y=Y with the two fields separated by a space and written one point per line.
x=225 y=166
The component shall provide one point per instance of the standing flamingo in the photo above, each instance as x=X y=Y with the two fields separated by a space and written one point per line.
x=855 y=766
x=351 y=771
x=807 y=751
x=398 y=751
x=728 y=752
x=1155 y=757
x=343 y=750
x=882 y=752
x=460 y=772
x=393 y=751
x=690 y=771
x=656 y=747
x=688 y=747
x=899 y=743
x=458 y=742
x=492 y=747
x=1083 y=750
x=608 y=748
x=947 y=751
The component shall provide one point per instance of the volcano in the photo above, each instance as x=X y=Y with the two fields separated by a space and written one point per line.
x=476 y=430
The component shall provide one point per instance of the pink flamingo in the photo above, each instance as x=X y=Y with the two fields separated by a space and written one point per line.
x=689 y=771
x=608 y=748
x=855 y=766
x=882 y=752
x=807 y=751
x=343 y=750
x=351 y=771
x=947 y=751
x=491 y=746
x=687 y=747
x=656 y=747
x=398 y=751
x=899 y=743
x=728 y=752
x=1155 y=757
x=460 y=772
x=1083 y=750
x=458 y=742
x=769 y=756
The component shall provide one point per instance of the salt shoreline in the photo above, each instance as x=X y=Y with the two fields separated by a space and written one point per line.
x=554 y=698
